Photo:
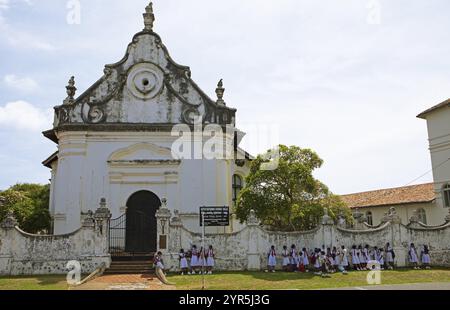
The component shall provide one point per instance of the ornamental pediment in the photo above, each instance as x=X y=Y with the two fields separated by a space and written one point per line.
x=145 y=87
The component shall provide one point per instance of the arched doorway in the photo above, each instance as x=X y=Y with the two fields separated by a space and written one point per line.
x=141 y=229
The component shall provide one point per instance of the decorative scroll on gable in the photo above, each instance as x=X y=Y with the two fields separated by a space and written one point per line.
x=145 y=87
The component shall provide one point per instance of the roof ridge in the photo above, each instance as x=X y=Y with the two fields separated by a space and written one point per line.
x=387 y=189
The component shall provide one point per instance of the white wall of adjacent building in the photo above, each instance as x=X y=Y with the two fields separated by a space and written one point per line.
x=438 y=122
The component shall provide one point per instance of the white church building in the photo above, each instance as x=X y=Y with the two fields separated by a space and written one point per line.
x=117 y=139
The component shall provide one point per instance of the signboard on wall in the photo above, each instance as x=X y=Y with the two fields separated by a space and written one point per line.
x=215 y=216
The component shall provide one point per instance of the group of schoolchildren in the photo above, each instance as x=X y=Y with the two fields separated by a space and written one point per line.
x=325 y=261
x=197 y=261
x=192 y=262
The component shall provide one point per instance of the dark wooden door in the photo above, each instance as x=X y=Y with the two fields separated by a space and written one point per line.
x=141 y=229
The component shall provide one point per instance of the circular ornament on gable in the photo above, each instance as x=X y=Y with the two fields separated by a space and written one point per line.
x=145 y=81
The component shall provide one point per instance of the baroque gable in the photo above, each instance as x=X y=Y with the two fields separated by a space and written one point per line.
x=146 y=87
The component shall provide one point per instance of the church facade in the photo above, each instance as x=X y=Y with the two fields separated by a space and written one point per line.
x=137 y=137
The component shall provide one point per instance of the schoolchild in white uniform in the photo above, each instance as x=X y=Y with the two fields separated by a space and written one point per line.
x=305 y=259
x=271 y=259
x=317 y=262
x=293 y=258
x=286 y=261
x=426 y=259
x=361 y=259
x=158 y=261
x=380 y=258
x=355 y=258
x=413 y=259
x=183 y=262
x=330 y=260
x=343 y=260
x=390 y=256
x=324 y=264
x=201 y=261
x=210 y=255
x=364 y=256
x=194 y=259
x=373 y=253
x=335 y=253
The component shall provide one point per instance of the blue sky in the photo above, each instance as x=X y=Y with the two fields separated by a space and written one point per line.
x=345 y=78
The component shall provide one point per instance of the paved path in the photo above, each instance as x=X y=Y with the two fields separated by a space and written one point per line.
x=124 y=282
x=405 y=287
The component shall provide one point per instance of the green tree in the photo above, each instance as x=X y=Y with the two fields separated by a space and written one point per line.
x=29 y=203
x=289 y=198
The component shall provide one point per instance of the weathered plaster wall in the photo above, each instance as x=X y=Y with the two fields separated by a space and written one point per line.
x=246 y=249
x=26 y=254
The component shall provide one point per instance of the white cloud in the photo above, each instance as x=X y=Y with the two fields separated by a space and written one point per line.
x=24 y=84
x=19 y=38
x=21 y=115
x=4 y=4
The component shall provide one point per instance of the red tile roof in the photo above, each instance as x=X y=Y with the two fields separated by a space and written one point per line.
x=421 y=193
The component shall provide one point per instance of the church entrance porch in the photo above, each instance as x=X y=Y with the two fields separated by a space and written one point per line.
x=134 y=233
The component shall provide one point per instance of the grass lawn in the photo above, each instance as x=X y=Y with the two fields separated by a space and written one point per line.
x=303 y=281
x=251 y=280
x=34 y=283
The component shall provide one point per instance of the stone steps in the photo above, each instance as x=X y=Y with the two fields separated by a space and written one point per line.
x=131 y=264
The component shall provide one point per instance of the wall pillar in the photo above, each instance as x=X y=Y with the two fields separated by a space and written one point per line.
x=327 y=230
x=7 y=227
x=102 y=217
x=163 y=230
x=401 y=252
x=253 y=251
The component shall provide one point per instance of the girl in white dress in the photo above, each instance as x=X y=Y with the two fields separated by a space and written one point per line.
x=413 y=256
x=194 y=259
x=210 y=259
x=343 y=260
x=380 y=257
x=426 y=260
x=317 y=262
x=158 y=261
x=362 y=259
x=335 y=255
x=293 y=258
x=305 y=259
x=365 y=255
x=183 y=262
x=330 y=260
x=286 y=261
x=272 y=259
x=389 y=256
x=201 y=261
x=355 y=258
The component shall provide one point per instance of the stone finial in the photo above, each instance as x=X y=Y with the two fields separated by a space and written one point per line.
x=102 y=212
x=163 y=212
x=252 y=219
x=89 y=220
x=176 y=219
x=393 y=217
x=71 y=90
x=9 y=222
x=149 y=17
x=220 y=92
